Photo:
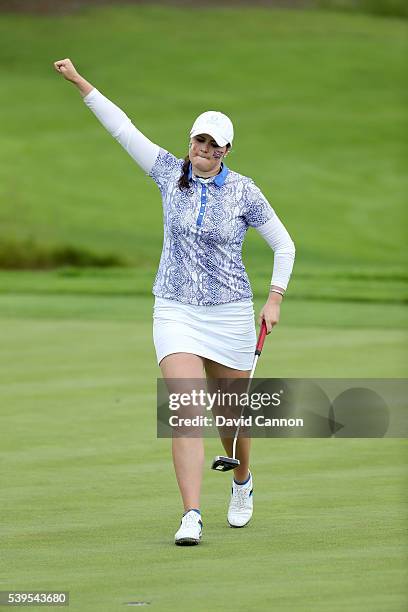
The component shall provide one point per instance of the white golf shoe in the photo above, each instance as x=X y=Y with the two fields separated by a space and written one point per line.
x=190 y=529
x=241 y=505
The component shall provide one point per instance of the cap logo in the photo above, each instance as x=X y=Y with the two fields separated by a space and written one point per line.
x=214 y=119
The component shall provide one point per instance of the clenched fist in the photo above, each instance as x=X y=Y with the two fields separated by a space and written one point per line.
x=69 y=72
x=67 y=69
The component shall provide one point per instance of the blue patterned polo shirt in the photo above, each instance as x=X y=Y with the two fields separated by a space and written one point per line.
x=204 y=229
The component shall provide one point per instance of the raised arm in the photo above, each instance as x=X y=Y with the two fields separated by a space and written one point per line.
x=140 y=148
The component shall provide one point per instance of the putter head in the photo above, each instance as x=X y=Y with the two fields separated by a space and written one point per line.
x=224 y=464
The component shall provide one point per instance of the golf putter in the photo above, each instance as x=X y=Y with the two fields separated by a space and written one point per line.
x=224 y=464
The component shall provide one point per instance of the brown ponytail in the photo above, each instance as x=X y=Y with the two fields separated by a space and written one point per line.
x=184 y=182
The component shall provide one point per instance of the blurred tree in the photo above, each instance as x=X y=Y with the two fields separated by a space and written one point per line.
x=396 y=8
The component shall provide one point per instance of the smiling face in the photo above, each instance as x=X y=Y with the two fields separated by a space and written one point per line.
x=205 y=155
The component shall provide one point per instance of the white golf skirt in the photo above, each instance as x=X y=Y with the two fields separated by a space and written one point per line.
x=224 y=333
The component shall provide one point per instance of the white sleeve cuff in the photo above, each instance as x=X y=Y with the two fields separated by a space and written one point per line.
x=90 y=95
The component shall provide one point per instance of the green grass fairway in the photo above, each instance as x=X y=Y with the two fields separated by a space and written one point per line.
x=89 y=499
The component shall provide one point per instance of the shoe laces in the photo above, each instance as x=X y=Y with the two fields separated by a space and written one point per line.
x=240 y=495
x=189 y=520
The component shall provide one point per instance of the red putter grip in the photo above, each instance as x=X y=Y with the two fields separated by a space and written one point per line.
x=261 y=338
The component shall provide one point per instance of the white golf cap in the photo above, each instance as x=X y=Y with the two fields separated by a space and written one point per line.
x=217 y=125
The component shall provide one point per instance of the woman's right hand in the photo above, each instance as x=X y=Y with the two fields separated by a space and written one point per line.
x=67 y=69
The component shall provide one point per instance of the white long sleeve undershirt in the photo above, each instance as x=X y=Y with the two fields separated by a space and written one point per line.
x=278 y=238
x=140 y=148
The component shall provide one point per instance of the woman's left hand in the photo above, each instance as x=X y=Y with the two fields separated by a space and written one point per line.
x=270 y=313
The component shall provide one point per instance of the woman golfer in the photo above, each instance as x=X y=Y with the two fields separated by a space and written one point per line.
x=203 y=310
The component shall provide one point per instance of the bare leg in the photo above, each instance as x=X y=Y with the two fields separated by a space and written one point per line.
x=242 y=453
x=188 y=453
x=217 y=370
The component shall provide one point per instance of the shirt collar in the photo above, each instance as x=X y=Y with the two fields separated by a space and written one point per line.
x=218 y=179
